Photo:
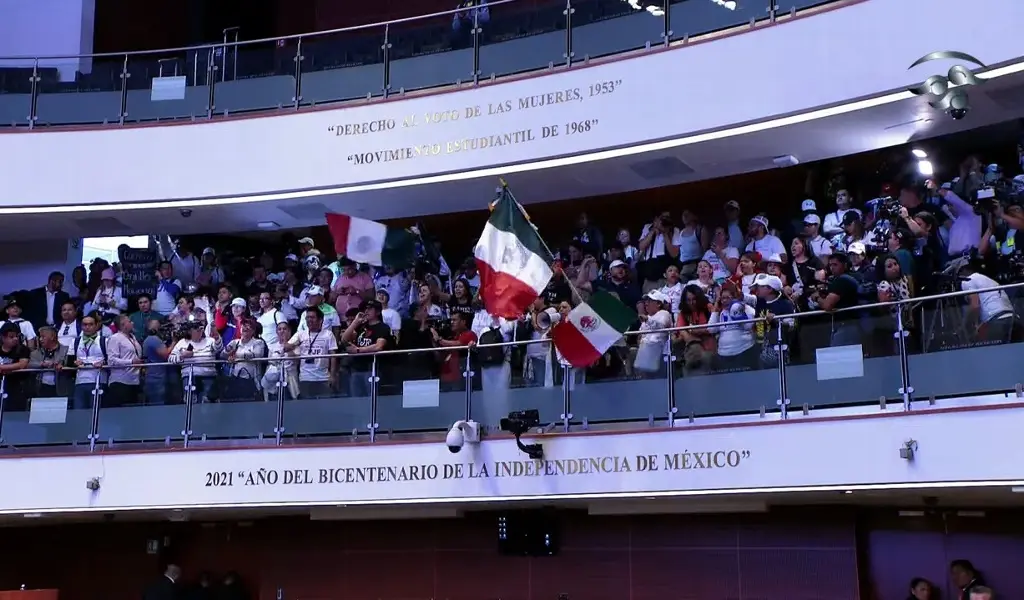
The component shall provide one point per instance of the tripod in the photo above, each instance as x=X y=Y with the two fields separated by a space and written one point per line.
x=945 y=328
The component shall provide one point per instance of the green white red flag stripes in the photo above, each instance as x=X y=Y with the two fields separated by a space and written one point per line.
x=513 y=264
x=591 y=329
x=370 y=242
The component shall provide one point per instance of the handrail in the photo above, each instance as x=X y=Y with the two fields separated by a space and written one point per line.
x=293 y=36
x=669 y=330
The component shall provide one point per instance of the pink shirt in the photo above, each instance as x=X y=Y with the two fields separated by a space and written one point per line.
x=361 y=283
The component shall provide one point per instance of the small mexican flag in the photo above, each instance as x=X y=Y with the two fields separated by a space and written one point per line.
x=370 y=242
x=592 y=328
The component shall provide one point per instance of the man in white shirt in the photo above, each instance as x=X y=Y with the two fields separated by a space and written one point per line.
x=833 y=225
x=812 y=229
x=90 y=353
x=389 y=316
x=993 y=310
x=186 y=266
x=317 y=375
x=167 y=289
x=329 y=316
x=734 y=233
x=270 y=316
x=397 y=283
x=763 y=242
x=28 y=332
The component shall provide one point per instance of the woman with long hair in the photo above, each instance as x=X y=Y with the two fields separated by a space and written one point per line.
x=803 y=266
x=921 y=589
x=697 y=344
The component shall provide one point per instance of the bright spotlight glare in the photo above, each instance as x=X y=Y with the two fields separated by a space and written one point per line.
x=924 y=167
x=919 y=153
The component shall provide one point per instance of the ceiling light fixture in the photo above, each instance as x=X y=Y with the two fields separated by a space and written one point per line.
x=268 y=225
x=919 y=153
x=925 y=168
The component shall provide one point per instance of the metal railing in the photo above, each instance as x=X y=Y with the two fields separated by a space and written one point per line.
x=400 y=392
x=364 y=62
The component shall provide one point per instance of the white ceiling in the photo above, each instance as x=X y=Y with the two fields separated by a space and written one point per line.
x=998 y=100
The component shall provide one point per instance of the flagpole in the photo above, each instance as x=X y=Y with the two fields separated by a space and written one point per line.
x=504 y=189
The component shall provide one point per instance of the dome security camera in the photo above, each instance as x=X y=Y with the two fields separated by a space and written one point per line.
x=186 y=212
x=462 y=433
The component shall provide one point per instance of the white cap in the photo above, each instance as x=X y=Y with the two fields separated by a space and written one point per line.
x=656 y=295
x=732 y=204
x=763 y=220
x=774 y=258
x=209 y=251
x=314 y=290
x=812 y=219
x=768 y=281
x=307 y=240
x=291 y=257
x=857 y=248
x=808 y=206
x=616 y=263
x=238 y=302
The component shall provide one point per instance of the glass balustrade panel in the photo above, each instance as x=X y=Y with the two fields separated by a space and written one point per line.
x=256 y=76
x=236 y=401
x=144 y=405
x=843 y=359
x=172 y=86
x=326 y=397
x=956 y=351
x=516 y=378
x=79 y=91
x=424 y=391
x=430 y=52
x=606 y=27
x=521 y=37
x=694 y=18
x=44 y=407
x=347 y=65
x=16 y=93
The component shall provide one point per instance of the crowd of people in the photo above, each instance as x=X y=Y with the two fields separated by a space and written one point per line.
x=730 y=285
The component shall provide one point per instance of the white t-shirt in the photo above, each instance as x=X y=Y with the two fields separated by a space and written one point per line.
x=268 y=321
x=331 y=320
x=767 y=246
x=27 y=330
x=721 y=271
x=659 y=320
x=821 y=246
x=991 y=303
x=314 y=344
x=657 y=247
x=674 y=294
x=67 y=333
x=392 y=319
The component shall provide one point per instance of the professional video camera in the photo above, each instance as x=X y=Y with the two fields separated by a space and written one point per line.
x=887 y=212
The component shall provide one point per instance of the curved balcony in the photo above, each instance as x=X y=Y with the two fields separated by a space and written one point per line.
x=369 y=62
x=405 y=395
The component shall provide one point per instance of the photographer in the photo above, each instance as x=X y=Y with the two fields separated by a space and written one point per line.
x=366 y=334
x=999 y=240
x=156 y=348
x=840 y=291
x=452 y=362
x=197 y=353
x=992 y=310
x=658 y=248
x=963 y=233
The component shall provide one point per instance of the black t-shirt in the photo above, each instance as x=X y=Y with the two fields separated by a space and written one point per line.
x=367 y=336
x=558 y=290
x=627 y=291
x=461 y=306
x=15 y=381
x=848 y=290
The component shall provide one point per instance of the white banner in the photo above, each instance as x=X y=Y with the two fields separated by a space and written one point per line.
x=824 y=59
x=960 y=447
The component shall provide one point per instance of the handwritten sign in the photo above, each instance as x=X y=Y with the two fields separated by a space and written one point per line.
x=138 y=270
x=567 y=467
x=477 y=114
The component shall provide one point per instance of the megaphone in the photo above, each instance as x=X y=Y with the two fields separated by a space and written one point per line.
x=548 y=318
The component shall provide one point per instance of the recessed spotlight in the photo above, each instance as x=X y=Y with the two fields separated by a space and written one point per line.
x=847 y=491
x=919 y=153
x=925 y=168
x=268 y=225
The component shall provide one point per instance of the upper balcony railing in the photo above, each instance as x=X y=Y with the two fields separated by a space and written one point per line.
x=870 y=355
x=379 y=60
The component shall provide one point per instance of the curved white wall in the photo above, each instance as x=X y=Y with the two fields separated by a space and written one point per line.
x=850 y=52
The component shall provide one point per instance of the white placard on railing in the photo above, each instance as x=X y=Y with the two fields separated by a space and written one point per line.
x=168 y=88
x=840 y=362
x=421 y=394
x=48 y=411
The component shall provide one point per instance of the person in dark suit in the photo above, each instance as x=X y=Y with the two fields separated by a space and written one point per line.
x=42 y=305
x=165 y=588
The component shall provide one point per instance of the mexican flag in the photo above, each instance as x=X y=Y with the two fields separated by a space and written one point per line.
x=591 y=329
x=513 y=264
x=370 y=242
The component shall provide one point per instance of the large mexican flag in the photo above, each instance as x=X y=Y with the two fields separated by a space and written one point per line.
x=591 y=329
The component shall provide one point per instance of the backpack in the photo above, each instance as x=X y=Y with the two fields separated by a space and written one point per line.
x=494 y=355
x=103 y=346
